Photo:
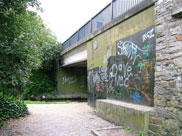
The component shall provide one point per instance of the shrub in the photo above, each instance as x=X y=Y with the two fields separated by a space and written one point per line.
x=11 y=108
x=40 y=84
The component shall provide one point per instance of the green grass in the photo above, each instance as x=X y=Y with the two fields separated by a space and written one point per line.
x=43 y=102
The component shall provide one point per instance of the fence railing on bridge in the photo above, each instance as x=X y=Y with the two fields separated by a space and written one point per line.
x=111 y=11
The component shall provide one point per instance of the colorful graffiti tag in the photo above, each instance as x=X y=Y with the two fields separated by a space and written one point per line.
x=129 y=76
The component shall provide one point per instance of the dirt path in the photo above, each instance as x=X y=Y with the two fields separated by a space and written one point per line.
x=74 y=119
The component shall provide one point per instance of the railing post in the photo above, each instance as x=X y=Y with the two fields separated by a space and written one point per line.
x=69 y=42
x=112 y=15
x=91 y=25
x=78 y=35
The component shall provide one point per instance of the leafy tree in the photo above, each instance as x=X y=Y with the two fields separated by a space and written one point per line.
x=25 y=43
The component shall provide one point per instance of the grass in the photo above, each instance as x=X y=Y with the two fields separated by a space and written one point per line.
x=44 y=102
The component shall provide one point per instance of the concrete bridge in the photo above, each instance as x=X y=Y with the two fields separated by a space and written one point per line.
x=127 y=61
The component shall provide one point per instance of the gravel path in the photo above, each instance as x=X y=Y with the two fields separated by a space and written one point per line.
x=74 y=119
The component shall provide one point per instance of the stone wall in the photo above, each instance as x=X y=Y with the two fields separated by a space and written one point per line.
x=167 y=119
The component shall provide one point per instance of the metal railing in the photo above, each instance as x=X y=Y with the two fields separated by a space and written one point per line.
x=111 y=11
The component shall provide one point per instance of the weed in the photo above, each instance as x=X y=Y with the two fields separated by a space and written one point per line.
x=128 y=129
x=140 y=133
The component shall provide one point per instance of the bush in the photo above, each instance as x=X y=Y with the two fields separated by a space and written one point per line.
x=11 y=108
x=40 y=84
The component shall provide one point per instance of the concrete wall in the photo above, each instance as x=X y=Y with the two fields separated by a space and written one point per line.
x=72 y=80
x=121 y=60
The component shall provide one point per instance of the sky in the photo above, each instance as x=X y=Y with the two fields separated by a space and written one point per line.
x=64 y=17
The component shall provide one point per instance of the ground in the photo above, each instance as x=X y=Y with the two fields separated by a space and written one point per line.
x=74 y=119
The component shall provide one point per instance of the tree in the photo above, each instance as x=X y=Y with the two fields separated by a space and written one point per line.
x=24 y=42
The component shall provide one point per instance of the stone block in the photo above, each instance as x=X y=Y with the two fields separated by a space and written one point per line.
x=172 y=84
x=170 y=124
x=156 y=120
x=121 y=113
x=176 y=55
x=179 y=37
x=160 y=103
x=173 y=104
x=151 y=133
x=163 y=132
x=176 y=30
x=154 y=127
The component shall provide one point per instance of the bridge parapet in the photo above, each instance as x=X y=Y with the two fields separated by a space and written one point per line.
x=111 y=11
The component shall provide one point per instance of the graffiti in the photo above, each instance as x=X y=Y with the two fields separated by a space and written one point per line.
x=82 y=81
x=129 y=49
x=148 y=35
x=69 y=80
x=146 y=72
x=103 y=74
x=128 y=76
x=97 y=78
x=135 y=96
x=119 y=75
x=119 y=92
x=107 y=55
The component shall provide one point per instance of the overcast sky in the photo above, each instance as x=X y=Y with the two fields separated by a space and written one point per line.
x=64 y=17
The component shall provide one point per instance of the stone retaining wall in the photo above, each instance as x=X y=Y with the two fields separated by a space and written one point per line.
x=167 y=119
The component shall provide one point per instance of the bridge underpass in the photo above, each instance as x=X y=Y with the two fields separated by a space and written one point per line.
x=72 y=74
x=123 y=51
x=94 y=61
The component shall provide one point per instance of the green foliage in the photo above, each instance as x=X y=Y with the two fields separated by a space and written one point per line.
x=40 y=84
x=140 y=133
x=11 y=108
x=128 y=129
x=25 y=46
x=18 y=5
x=25 y=43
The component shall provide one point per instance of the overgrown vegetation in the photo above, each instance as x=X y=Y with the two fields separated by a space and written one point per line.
x=26 y=46
x=25 y=43
x=11 y=108
x=40 y=85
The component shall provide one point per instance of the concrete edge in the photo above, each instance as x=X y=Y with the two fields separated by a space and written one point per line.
x=128 y=105
x=72 y=96
x=177 y=12
x=128 y=14
x=96 y=133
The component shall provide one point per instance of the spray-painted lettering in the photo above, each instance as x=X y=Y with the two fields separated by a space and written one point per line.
x=148 y=35
x=130 y=50
x=69 y=80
